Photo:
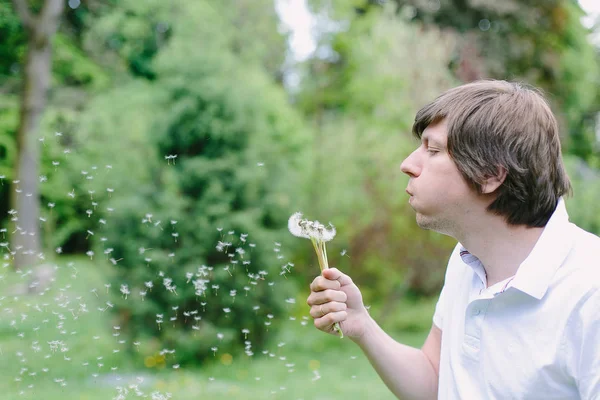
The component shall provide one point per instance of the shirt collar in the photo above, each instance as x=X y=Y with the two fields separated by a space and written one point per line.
x=537 y=271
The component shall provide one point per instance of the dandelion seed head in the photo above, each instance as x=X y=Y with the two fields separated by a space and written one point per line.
x=294 y=226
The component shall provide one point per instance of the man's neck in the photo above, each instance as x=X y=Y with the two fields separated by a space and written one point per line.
x=500 y=247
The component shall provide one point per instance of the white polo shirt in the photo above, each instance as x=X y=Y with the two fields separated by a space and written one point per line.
x=533 y=336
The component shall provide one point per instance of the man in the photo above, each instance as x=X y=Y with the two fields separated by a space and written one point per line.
x=519 y=314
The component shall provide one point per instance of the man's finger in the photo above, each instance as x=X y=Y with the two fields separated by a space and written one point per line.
x=325 y=296
x=336 y=274
x=322 y=283
x=326 y=323
x=321 y=310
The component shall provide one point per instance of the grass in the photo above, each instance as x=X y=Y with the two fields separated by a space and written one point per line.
x=51 y=349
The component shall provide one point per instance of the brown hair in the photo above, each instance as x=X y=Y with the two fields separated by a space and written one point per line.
x=499 y=124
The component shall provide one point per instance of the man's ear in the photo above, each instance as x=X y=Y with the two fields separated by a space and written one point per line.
x=493 y=182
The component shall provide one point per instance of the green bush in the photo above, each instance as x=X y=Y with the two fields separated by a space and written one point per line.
x=223 y=150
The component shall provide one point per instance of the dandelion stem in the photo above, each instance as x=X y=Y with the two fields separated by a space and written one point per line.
x=326 y=262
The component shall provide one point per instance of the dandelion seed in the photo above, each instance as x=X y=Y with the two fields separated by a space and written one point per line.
x=125 y=290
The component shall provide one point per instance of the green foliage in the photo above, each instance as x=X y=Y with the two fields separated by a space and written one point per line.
x=583 y=207
x=72 y=67
x=128 y=35
x=131 y=33
x=9 y=116
x=12 y=45
x=409 y=315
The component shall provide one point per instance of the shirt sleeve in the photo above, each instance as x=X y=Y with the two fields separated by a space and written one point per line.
x=582 y=344
x=442 y=303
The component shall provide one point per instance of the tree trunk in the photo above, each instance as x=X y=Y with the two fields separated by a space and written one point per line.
x=25 y=199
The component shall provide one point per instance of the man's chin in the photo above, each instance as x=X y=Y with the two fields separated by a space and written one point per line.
x=422 y=221
x=433 y=225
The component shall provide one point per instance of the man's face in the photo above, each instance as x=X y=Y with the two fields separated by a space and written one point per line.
x=439 y=194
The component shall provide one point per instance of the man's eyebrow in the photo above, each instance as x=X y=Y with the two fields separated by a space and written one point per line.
x=431 y=140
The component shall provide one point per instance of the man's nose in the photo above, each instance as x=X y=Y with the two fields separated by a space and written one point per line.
x=410 y=165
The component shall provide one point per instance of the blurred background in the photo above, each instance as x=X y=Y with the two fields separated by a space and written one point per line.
x=151 y=153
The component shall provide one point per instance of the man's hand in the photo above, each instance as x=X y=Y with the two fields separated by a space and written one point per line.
x=335 y=298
